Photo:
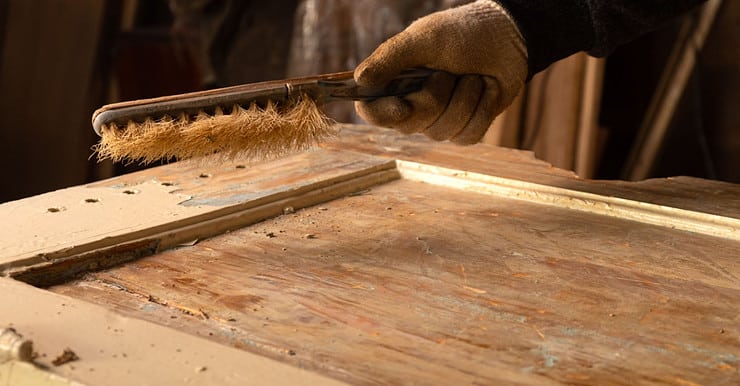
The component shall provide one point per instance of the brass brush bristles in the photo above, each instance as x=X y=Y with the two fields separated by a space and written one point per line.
x=253 y=133
x=251 y=121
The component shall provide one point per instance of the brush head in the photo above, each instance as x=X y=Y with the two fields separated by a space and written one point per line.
x=253 y=133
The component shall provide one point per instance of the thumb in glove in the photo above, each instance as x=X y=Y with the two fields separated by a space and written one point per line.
x=482 y=63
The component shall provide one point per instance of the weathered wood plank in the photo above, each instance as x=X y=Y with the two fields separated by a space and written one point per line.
x=697 y=222
x=705 y=196
x=423 y=283
x=468 y=265
x=91 y=218
x=116 y=350
x=175 y=204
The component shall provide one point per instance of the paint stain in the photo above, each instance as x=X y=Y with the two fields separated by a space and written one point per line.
x=548 y=360
x=240 y=302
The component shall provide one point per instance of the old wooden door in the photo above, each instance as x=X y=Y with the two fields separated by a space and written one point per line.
x=379 y=258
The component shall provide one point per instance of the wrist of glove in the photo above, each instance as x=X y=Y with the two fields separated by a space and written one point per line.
x=482 y=63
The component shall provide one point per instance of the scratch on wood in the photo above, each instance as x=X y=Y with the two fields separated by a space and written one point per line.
x=476 y=290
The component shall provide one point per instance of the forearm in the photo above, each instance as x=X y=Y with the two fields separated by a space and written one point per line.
x=554 y=29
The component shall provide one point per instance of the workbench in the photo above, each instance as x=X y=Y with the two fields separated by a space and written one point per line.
x=377 y=259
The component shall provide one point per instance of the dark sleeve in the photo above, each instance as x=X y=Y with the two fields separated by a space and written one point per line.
x=554 y=29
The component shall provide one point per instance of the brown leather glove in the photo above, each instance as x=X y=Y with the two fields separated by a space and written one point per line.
x=483 y=65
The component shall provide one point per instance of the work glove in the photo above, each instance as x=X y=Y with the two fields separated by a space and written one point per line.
x=482 y=60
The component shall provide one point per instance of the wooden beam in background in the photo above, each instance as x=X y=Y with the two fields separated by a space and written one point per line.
x=587 y=156
x=668 y=95
x=48 y=58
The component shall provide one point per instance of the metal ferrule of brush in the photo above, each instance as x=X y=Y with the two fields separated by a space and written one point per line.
x=322 y=89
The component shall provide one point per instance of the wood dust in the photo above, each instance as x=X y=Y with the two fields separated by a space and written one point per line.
x=65 y=357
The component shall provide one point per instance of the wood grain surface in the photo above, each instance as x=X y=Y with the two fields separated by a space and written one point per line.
x=383 y=258
x=414 y=283
x=166 y=206
x=116 y=350
x=695 y=194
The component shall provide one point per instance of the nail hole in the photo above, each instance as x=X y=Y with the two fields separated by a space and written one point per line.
x=241 y=166
x=168 y=183
x=204 y=175
x=92 y=200
x=130 y=191
x=54 y=210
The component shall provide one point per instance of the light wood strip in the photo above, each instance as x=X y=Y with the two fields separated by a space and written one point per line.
x=647 y=213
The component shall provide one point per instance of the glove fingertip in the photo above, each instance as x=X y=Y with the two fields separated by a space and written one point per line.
x=386 y=62
x=387 y=112
x=469 y=137
x=369 y=73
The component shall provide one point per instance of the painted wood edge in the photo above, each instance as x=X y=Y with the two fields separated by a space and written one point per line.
x=23 y=243
x=119 y=350
x=522 y=165
x=107 y=241
x=647 y=213
x=19 y=373
x=153 y=240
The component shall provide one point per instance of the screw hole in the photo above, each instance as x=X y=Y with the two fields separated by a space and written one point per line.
x=130 y=191
x=204 y=175
x=54 y=210
x=92 y=200
x=168 y=183
x=241 y=166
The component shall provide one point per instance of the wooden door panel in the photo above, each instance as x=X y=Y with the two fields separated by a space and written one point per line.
x=415 y=281
x=382 y=258
x=106 y=223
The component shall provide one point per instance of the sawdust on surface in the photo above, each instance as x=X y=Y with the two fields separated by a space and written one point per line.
x=255 y=133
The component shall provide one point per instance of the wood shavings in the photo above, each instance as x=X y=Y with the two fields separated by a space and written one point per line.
x=65 y=357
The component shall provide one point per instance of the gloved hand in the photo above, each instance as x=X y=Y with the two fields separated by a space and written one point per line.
x=483 y=63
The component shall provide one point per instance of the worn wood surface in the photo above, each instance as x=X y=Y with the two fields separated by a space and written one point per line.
x=416 y=282
x=175 y=204
x=702 y=196
x=116 y=350
x=428 y=264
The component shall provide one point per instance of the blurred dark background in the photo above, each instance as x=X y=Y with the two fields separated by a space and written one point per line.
x=62 y=59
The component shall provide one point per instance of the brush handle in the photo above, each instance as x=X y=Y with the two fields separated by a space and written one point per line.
x=321 y=88
x=407 y=82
